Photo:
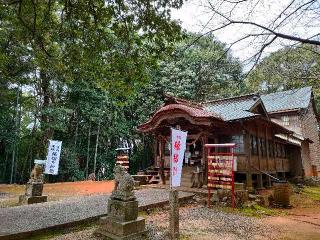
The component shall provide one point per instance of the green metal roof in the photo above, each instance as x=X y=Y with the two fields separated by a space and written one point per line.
x=239 y=107
x=233 y=108
x=287 y=100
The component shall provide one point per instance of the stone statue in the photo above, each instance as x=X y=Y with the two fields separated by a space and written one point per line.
x=36 y=174
x=34 y=187
x=124 y=185
x=122 y=221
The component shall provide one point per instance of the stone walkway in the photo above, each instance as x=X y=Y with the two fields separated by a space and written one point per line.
x=24 y=220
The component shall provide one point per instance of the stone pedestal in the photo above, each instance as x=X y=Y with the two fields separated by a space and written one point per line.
x=33 y=194
x=34 y=189
x=24 y=199
x=123 y=211
x=122 y=222
x=111 y=228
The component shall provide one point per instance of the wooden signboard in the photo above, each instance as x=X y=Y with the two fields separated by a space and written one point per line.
x=220 y=168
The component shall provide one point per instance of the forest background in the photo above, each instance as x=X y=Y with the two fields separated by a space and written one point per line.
x=88 y=73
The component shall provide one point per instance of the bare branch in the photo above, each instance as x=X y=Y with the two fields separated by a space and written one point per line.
x=239 y=40
x=258 y=55
x=278 y=34
x=296 y=10
x=204 y=34
x=236 y=2
x=283 y=11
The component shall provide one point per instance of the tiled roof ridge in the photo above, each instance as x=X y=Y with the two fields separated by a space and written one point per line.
x=289 y=91
x=183 y=101
x=256 y=94
x=285 y=91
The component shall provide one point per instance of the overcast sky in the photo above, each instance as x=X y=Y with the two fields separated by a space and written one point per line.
x=195 y=15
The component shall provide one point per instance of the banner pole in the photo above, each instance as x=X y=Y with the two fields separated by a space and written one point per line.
x=170 y=142
x=173 y=201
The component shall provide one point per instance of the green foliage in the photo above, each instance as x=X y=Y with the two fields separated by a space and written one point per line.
x=107 y=160
x=286 y=69
x=258 y=211
x=200 y=70
x=141 y=157
x=197 y=71
x=312 y=192
x=66 y=67
x=69 y=168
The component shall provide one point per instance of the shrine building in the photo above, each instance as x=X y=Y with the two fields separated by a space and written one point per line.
x=276 y=134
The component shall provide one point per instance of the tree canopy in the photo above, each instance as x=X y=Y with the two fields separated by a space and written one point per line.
x=199 y=70
x=68 y=66
x=286 y=69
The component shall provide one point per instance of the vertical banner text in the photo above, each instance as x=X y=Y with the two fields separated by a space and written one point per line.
x=53 y=158
x=178 y=147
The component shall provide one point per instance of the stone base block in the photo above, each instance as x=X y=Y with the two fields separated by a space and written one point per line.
x=23 y=199
x=112 y=229
x=34 y=189
x=110 y=236
x=123 y=211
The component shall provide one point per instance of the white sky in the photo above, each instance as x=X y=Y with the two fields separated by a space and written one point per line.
x=195 y=14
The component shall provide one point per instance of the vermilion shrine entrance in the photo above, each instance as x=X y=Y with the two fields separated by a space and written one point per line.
x=189 y=117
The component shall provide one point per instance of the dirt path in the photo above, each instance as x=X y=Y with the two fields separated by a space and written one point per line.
x=296 y=227
x=21 y=221
x=299 y=224
x=9 y=194
x=79 y=188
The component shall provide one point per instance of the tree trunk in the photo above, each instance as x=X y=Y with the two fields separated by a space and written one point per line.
x=45 y=119
x=15 y=137
x=76 y=134
x=95 y=152
x=88 y=151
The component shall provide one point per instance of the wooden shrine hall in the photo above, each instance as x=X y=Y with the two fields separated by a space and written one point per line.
x=263 y=146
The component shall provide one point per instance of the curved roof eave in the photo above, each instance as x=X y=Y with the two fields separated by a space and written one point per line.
x=196 y=116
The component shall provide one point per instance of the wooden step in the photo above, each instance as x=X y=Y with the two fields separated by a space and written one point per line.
x=155 y=179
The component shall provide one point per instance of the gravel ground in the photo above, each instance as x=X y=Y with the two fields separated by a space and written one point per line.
x=45 y=215
x=4 y=195
x=197 y=222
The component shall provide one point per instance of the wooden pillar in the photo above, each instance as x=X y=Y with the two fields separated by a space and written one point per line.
x=259 y=181
x=259 y=176
x=258 y=145
x=162 y=156
x=274 y=152
x=269 y=184
x=155 y=151
x=267 y=148
x=247 y=144
x=283 y=147
x=204 y=140
x=174 y=214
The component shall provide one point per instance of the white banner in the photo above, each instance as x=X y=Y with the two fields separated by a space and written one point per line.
x=53 y=157
x=41 y=162
x=178 y=147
